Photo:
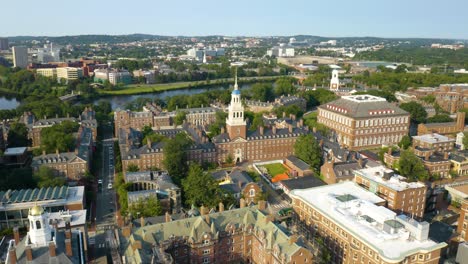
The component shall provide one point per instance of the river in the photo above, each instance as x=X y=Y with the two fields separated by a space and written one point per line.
x=119 y=101
x=8 y=103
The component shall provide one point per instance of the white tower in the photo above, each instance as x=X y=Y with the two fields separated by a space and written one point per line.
x=235 y=123
x=335 y=81
x=40 y=232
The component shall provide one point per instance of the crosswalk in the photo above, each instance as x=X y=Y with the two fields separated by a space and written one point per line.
x=91 y=238
x=280 y=205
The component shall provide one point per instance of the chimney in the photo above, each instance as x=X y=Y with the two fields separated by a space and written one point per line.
x=148 y=143
x=12 y=255
x=427 y=154
x=300 y=123
x=68 y=247
x=446 y=155
x=29 y=256
x=202 y=210
x=52 y=252
x=242 y=203
x=167 y=217
x=142 y=221
x=126 y=230
x=16 y=235
x=314 y=129
x=360 y=162
x=273 y=129
x=221 y=207
x=261 y=128
x=284 y=114
x=57 y=152
x=67 y=230
x=292 y=239
x=290 y=128
x=389 y=151
x=222 y=130
x=261 y=205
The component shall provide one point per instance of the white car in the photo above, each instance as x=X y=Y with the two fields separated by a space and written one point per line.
x=109 y=186
x=99 y=181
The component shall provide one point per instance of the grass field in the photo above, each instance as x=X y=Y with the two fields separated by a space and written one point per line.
x=151 y=88
x=275 y=169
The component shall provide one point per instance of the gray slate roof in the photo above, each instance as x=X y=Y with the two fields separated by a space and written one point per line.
x=363 y=109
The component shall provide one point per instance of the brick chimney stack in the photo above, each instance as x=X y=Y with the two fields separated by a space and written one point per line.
x=261 y=129
x=28 y=250
x=261 y=205
x=273 y=129
x=68 y=247
x=221 y=207
x=242 y=203
x=52 y=251
x=12 y=255
x=427 y=155
x=167 y=217
x=142 y=221
x=16 y=235
x=290 y=128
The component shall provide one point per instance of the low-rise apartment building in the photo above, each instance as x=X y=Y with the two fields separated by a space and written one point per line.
x=356 y=228
x=402 y=197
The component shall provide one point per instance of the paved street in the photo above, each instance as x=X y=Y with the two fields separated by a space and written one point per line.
x=105 y=201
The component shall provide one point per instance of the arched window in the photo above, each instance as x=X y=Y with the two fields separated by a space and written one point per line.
x=252 y=192
x=38 y=225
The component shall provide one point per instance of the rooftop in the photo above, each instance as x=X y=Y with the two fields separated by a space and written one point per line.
x=298 y=162
x=387 y=177
x=361 y=106
x=15 y=151
x=433 y=138
x=354 y=209
x=302 y=183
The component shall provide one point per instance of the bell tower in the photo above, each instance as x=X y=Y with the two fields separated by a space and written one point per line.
x=335 y=81
x=40 y=232
x=235 y=123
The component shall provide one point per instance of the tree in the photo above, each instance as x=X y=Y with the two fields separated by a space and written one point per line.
x=147 y=207
x=439 y=118
x=180 y=117
x=175 y=157
x=417 y=112
x=133 y=168
x=262 y=92
x=154 y=138
x=307 y=149
x=284 y=86
x=257 y=121
x=405 y=142
x=199 y=187
x=412 y=167
x=18 y=135
x=46 y=177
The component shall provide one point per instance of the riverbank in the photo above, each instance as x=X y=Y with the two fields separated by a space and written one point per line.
x=134 y=89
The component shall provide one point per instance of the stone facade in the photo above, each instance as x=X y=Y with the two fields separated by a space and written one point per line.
x=364 y=121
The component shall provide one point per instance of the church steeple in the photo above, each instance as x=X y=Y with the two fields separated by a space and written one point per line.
x=235 y=123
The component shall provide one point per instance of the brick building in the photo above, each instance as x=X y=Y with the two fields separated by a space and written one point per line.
x=235 y=141
x=244 y=235
x=239 y=184
x=66 y=164
x=334 y=172
x=364 y=121
x=357 y=229
x=445 y=128
x=462 y=227
x=86 y=119
x=298 y=167
x=436 y=142
x=401 y=196
x=153 y=116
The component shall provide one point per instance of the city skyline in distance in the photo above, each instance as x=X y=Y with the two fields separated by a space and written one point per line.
x=396 y=19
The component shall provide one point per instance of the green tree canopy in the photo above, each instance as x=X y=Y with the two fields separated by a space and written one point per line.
x=18 y=135
x=439 y=118
x=284 y=86
x=417 y=112
x=180 y=117
x=59 y=137
x=201 y=189
x=307 y=149
x=412 y=167
x=147 y=207
x=405 y=142
x=465 y=140
x=132 y=168
x=175 y=156
x=45 y=177
x=262 y=92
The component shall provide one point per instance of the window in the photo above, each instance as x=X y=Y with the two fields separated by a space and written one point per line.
x=206 y=260
x=252 y=192
x=206 y=242
x=206 y=251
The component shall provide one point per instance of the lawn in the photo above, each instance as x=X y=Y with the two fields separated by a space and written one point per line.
x=275 y=169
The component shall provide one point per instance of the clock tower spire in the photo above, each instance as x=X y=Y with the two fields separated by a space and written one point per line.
x=235 y=123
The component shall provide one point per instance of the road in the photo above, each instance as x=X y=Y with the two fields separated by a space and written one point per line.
x=105 y=199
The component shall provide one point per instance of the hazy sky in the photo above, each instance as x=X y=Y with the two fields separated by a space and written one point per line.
x=384 y=18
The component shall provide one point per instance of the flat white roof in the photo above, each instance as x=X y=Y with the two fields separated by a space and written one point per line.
x=364 y=98
x=359 y=216
x=433 y=138
x=395 y=181
x=76 y=217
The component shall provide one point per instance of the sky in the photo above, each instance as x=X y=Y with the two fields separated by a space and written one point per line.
x=338 y=18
